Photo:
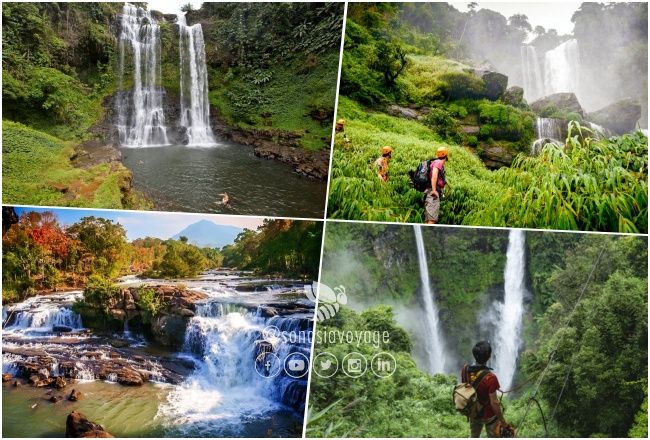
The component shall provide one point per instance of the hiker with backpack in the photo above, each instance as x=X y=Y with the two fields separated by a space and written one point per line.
x=430 y=177
x=476 y=396
x=382 y=163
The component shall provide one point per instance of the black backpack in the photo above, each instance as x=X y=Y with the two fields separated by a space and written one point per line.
x=421 y=176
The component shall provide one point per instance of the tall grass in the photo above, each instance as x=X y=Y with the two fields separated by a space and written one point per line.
x=599 y=185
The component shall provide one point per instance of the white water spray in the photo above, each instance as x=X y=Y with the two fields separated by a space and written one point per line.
x=195 y=107
x=434 y=345
x=508 y=339
x=532 y=73
x=562 y=68
x=141 y=120
x=548 y=130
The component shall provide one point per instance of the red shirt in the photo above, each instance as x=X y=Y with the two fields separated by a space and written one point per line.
x=489 y=384
x=441 y=166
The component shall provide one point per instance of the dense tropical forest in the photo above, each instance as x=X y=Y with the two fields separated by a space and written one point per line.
x=420 y=76
x=272 y=82
x=40 y=254
x=596 y=381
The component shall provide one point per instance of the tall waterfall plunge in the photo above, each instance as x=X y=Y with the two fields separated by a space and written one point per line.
x=141 y=120
x=195 y=108
x=532 y=73
x=508 y=338
x=557 y=71
x=433 y=340
x=562 y=68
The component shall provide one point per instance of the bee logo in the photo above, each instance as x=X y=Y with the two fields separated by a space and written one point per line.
x=329 y=300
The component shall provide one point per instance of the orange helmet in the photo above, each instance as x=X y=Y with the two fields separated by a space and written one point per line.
x=386 y=150
x=442 y=152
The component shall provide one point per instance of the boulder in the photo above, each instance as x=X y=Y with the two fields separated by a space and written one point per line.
x=497 y=156
x=470 y=129
x=402 y=112
x=562 y=102
x=620 y=117
x=6 y=377
x=78 y=426
x=514 y=96
x=129 y=377
x=495 y=82
x=55 y=399
x=74 y=396
x=58 y=382
x=169 y=330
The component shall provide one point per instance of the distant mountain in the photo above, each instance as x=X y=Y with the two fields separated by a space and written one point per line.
x=205 y=233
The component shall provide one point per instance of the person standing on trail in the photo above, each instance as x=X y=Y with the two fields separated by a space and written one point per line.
x=339 y=129
x=490 y=414
x=433 y=193
x=382 y=163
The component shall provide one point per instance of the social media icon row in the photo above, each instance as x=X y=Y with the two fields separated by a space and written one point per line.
x=268 y=365
x=355 y=365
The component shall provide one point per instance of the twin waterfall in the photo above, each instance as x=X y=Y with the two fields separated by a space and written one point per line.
x=508 y=341
x=559 y=71
x=141 y=119
x=506 y=315
x=195 y=108
x=434 y=344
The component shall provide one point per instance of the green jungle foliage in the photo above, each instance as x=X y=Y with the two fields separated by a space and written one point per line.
x=592 y=184
x=600 y=349
x=39 y=254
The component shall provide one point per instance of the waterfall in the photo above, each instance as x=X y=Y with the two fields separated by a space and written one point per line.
x=508 y=339
x=433 y=337
x=225 y=390
x=562 y=68
x=195 y=107
x=532 y=73
x=548 y=130
x=40 y=314
x=141 y=120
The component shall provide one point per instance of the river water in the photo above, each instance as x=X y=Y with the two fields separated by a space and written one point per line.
x=208 y=387
x=191 y=179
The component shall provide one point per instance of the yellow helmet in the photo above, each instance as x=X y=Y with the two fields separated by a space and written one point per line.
x=386 y=150
x=442 y=152
x=341 y=122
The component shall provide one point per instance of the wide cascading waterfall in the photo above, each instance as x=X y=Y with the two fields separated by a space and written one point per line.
x=508 y=340
x=549 y=130
x=434 y=345
x=43 y=314
x=562 y=68
x=141 y=120
x=532 y=73
x=225 y=390
x=195 y=107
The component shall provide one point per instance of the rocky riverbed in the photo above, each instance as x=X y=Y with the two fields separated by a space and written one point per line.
x=195 y=372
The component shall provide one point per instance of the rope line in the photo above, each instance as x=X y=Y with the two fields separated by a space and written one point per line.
x=552 y=356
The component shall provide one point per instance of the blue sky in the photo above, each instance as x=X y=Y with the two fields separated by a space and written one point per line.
x=140 y=224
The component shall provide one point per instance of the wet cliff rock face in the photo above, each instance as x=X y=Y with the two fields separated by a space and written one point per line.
x=564 y=102
x=620 y=117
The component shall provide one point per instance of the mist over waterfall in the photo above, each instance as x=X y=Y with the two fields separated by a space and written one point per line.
x=562 y=68
x=195 y=107
x=532 y=73
x=432 y=339
x=141 y=121
x=508 y=340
